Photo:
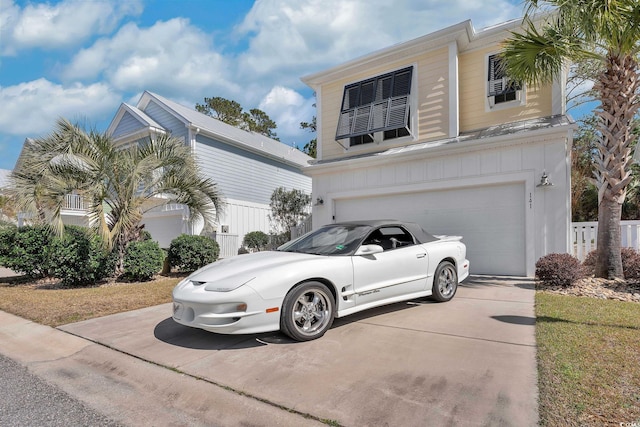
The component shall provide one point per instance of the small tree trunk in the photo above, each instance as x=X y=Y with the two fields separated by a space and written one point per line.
x=609 y=261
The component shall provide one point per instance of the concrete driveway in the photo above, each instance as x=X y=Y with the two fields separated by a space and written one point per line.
x=471 y=361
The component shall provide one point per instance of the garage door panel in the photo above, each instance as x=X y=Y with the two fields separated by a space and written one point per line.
x=490 y=219
x=164 y=229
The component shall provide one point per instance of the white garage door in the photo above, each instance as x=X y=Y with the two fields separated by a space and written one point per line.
x=164 y=229
x=491 y=220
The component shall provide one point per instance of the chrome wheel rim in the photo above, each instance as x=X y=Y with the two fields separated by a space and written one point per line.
x=311 y=312
x=447 y=281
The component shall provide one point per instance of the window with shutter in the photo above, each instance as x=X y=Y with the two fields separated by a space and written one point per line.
x=500 y=88
x=379 y=104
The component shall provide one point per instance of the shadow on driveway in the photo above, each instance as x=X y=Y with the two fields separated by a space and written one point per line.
x=173 y=333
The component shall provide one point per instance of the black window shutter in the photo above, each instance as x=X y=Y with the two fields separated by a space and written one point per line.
x=374 y=105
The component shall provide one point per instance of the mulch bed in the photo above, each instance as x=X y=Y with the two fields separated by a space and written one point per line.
x=616 y=289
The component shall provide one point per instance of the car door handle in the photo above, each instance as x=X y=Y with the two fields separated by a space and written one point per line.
x=422 y=255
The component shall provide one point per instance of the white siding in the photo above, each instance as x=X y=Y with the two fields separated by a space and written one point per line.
x=168 y=121
x=242 y=175
x=128 y=124
x=240 y=217
x=480 y=164
x=244 y=217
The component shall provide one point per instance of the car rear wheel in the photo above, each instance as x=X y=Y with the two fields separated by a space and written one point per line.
x=308 y=311
x=445 y=282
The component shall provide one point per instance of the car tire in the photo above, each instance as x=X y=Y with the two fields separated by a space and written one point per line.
x=445 y=282
x=307 y=311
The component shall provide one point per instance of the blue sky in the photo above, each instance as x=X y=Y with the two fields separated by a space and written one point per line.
x=81 y=59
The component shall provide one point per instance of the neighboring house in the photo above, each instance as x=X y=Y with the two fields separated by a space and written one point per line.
x=7 y=212
x=246 y=166
x=432 y=131
x=72 y=212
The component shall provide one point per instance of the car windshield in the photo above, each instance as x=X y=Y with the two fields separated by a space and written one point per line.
x=329 y=240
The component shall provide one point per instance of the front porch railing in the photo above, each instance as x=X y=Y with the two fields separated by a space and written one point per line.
x=584 y=237
x=74 y=202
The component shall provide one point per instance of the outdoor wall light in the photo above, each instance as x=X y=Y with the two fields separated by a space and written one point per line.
x=319 y=201
x=544 y=180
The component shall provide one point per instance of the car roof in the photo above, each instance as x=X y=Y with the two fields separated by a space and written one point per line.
x=415 y=229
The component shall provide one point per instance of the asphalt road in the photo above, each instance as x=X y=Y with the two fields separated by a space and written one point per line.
x=26 y=400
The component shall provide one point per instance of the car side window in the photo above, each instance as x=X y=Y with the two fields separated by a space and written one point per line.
x=389 y=238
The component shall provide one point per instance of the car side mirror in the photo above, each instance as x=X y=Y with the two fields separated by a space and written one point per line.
x=369 y=250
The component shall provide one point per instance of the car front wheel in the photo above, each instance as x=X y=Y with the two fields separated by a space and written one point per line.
x=308 y=311
x=445 y=282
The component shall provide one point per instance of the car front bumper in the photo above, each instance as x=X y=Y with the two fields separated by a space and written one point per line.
x=240 y=311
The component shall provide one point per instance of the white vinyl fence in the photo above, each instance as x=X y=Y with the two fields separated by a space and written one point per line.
x=229 y=244
x=584 y=236
x=302 y=228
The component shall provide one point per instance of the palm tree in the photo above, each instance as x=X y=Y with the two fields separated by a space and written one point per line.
x=117 y=183
x=608 y=32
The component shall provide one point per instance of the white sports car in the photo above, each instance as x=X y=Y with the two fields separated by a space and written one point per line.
x=334 y=271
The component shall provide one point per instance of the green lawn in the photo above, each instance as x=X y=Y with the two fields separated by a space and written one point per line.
x=588 y=361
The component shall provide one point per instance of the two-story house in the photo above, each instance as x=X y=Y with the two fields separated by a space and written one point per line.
x=246 y=166
x=432 y=131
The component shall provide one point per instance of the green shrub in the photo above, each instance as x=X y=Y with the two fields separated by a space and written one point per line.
x=30 y=251
x=80 y=259
x=630 y=263
x=142 y=260
x=559 y=270
x=189 y=253
x=256 y=240
x=144 y=235
x=7 y=238
x=7 y=224
x=277 y=240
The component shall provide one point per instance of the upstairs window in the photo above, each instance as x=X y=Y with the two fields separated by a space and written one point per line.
x=380 y=104
x=500 y=88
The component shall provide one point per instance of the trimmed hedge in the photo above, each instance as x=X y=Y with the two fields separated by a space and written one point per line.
x=143 y=260
x=256 y=240
x=189 y=253
x=559 y=270
x=26 y=250
x=80 y=259
x=630 y=263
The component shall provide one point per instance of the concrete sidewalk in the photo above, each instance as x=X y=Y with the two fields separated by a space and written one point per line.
x=127 y=389
x=467 y=362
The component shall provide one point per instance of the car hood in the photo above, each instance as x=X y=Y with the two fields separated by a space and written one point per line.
x=230 y=273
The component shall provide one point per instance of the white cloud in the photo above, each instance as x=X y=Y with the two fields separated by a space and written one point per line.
x=289 y=38
x=67 y=23
x=31 y=108
x=288 y=108
x=284 y=39
x=9 y=15
x=172 y=57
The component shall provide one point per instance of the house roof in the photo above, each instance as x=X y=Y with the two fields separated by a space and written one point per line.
x=141 y=116
x=463 y=33
x=506 y=129
x=252 y=141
